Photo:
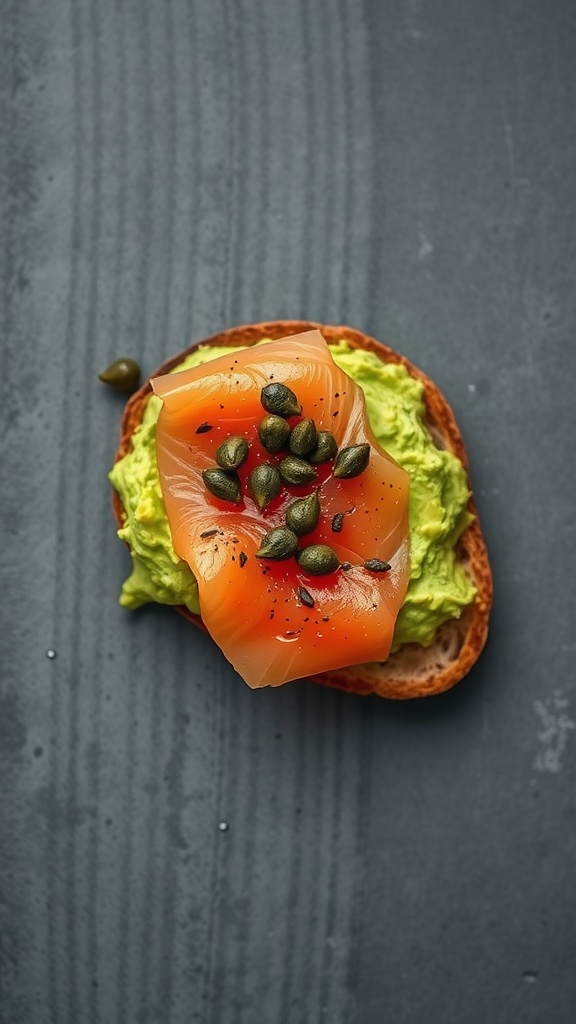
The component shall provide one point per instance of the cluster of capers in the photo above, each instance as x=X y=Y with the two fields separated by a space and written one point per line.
x=307 y=448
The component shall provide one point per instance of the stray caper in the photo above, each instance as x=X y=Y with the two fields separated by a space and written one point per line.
x=277 y=544
x=296 y=471
x=232 y=452
x=377 y=565
x=223 y=484
x=302 y=515
x=352 y=461
x=264 y=483
x=279 y=399
x=273 y=432
x=326 y=447
x=123 y=375
x=318 y=559
x=303 y=437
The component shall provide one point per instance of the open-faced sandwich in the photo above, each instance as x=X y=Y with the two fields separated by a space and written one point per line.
x=301 y=492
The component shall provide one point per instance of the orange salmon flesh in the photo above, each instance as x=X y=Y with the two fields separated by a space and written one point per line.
x=253 y=607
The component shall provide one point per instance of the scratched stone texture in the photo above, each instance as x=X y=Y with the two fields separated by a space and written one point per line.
x=169 y=169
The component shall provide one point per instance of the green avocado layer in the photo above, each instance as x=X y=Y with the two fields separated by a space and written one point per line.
x=438 y=589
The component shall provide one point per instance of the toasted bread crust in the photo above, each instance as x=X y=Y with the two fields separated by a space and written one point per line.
x=413 y=671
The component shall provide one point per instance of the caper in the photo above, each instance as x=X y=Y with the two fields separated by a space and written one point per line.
x=223 y=484
x=318 y=559
x=279 y=399
x=326 y=447
x=377 y=565
x=296 y=471
x=273 y=432
x=277 y=544
x=352 y=461
x=302 y=515
x=264 y=483
x=232 y=452
x=303 y=437
x=122 y=375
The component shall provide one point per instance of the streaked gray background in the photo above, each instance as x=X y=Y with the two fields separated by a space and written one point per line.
x=168 y=169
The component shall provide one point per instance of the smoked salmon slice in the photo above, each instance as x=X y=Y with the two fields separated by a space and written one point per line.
x=274 y=620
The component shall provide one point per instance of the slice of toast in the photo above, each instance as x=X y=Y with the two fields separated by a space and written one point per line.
x=413 y=670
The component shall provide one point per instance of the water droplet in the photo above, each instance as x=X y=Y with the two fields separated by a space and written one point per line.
x=471 y=388
x=530 y=976
x=223 y=826
x=51 y=653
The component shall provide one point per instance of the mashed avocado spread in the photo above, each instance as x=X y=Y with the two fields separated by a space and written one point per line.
x=438 y=587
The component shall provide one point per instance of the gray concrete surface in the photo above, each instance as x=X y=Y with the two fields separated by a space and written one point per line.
x=169 y=169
